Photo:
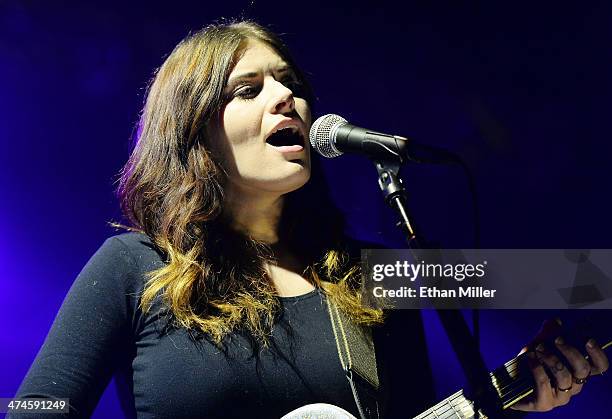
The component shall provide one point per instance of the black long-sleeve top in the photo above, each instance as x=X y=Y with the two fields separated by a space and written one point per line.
x=100 y=332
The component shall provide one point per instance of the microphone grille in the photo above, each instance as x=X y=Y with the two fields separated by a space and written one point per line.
x=322 y=135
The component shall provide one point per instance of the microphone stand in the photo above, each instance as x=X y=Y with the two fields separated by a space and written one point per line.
x=480 y=388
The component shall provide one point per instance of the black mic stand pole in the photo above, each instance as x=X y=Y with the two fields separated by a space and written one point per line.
x=480 y=388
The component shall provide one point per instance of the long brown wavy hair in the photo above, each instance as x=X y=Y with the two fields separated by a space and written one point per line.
x=172 y=188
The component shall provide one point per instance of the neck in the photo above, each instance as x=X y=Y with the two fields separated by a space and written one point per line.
x=255 y=215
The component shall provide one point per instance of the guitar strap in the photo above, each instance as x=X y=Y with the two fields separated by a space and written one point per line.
x=358 y=359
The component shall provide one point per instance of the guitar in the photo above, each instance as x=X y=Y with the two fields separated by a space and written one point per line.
x=512 y=381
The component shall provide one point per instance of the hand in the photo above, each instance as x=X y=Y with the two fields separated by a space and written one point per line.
x=569 y=372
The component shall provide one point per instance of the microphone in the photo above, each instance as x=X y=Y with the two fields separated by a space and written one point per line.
x=331 y=136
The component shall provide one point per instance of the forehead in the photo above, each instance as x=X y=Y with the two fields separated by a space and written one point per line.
x=257 y=56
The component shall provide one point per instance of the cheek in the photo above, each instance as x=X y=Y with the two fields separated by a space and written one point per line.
x=241 y=123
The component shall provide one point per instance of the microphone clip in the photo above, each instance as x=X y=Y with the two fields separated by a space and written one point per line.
x=395 y=196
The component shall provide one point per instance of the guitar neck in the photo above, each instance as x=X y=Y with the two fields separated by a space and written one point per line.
x=455 y=406
x=512 y=381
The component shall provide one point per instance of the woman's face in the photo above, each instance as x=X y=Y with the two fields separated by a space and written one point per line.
x=262 y=100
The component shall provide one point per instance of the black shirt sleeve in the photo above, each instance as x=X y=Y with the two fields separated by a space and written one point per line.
x=79 y=355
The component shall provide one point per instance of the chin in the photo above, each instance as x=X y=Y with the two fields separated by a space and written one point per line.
x=297 y=181
x=291 y=182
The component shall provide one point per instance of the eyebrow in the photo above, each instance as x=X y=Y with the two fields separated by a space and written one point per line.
x=252 y=74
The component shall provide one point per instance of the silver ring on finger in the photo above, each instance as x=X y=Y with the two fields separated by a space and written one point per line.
x=583 y=380
x=580 y=380
x=565 y=390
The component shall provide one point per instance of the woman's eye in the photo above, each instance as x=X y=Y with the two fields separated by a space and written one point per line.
x=247 y=92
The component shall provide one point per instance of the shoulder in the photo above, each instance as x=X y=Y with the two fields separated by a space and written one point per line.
x=128 y=253
x=129 y=241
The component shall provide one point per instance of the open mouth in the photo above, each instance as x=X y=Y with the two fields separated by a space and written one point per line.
x=287 y=139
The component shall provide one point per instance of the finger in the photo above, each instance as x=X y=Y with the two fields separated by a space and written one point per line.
x=542 y=400
x=562 y=390
x=580 y=367
x=598 y=358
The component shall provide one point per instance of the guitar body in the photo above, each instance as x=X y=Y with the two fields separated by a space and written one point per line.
x=319 y=411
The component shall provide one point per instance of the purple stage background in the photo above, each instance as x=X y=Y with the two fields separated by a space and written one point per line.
x=521 y=90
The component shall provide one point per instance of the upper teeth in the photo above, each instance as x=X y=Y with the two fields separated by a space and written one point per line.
x=292 y=128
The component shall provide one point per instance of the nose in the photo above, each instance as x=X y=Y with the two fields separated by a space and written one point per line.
x=282 y=101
